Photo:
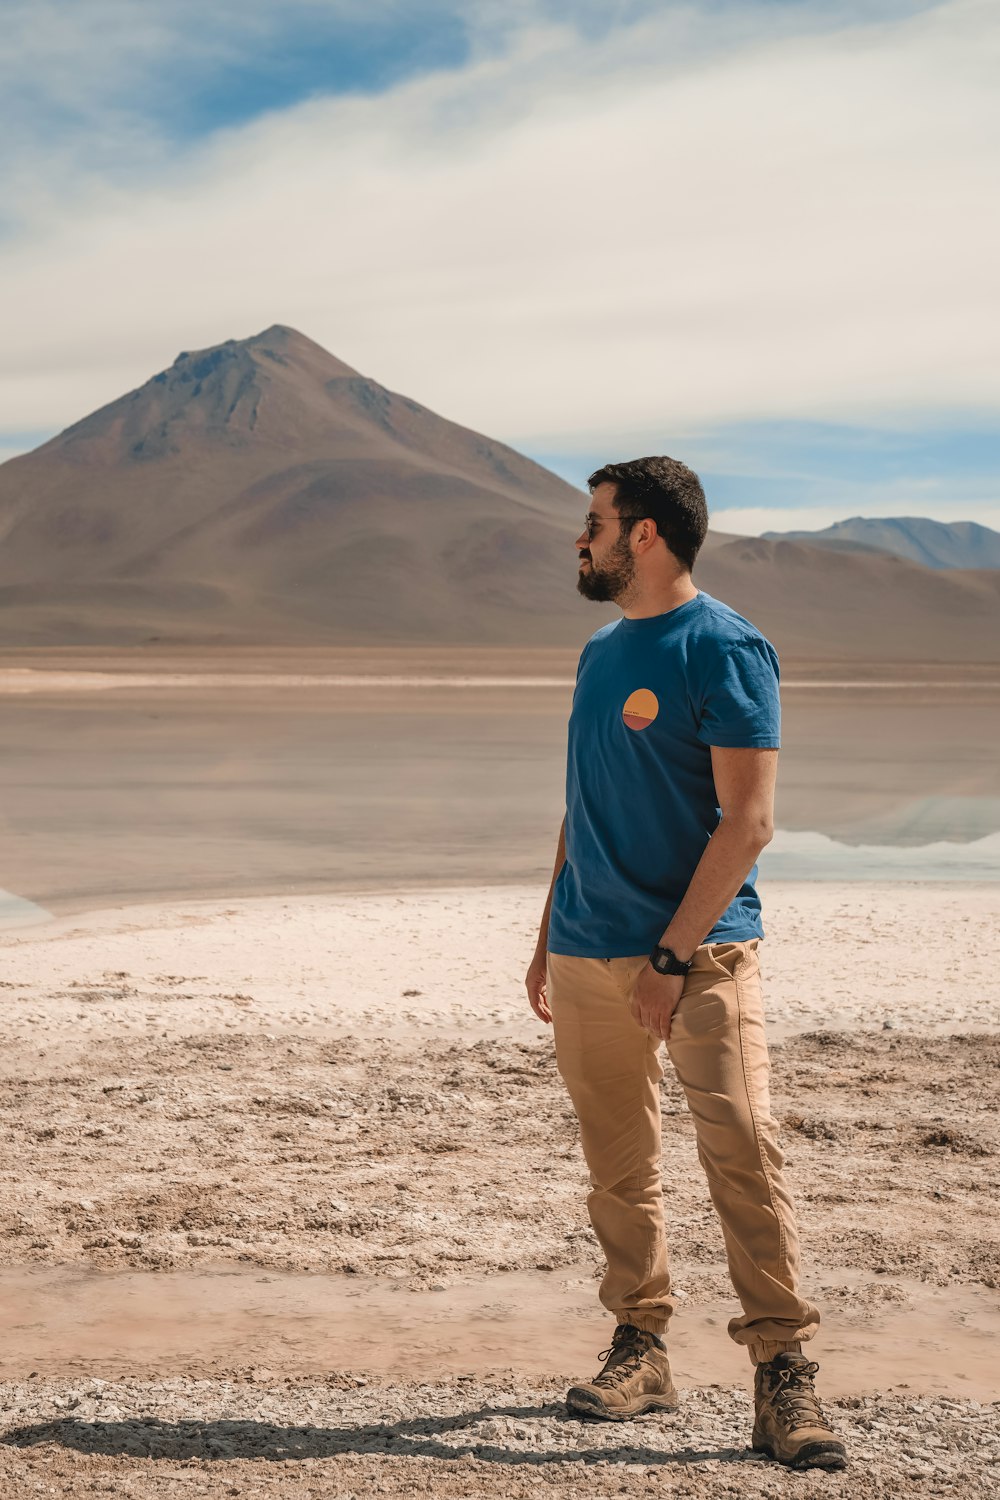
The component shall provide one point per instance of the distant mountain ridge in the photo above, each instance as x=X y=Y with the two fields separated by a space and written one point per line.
x=933 y=544
x=263 y=492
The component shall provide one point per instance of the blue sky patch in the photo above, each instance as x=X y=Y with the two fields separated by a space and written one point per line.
x=308 y=62
x=939 y=470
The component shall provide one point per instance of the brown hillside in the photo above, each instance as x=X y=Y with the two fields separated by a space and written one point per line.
x=823 y=603
x=263 y=492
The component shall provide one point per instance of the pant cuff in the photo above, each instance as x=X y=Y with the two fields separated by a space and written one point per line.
x=765 y=1350
x=648 y=1322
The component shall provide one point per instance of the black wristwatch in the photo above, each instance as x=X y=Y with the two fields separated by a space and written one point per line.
x=665 y=961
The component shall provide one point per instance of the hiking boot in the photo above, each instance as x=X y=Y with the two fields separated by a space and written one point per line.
x=635 y=1378
x=789 y=1424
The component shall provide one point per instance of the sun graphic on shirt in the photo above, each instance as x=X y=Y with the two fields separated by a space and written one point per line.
x=640 y=709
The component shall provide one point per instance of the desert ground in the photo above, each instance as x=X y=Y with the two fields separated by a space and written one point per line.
x=293 y=1204
x=292 y=1199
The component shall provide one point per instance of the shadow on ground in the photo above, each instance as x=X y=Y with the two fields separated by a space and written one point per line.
x=155 y=1439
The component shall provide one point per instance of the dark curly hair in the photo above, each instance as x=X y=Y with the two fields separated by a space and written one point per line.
x=666 y=491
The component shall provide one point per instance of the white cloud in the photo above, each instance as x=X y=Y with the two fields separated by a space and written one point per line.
x=693 y=220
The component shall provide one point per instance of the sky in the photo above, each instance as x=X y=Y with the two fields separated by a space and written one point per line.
x=759 y=235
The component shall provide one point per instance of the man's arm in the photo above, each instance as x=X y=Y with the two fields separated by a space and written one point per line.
x=744 y=784
x=535 y=978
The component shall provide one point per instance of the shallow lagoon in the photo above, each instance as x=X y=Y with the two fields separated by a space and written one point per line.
x=187 y=785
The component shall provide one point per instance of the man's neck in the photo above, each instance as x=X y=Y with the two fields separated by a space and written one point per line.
x=660 y=598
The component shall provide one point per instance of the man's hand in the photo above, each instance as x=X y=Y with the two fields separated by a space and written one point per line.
x=534 y=983
x=655 y=997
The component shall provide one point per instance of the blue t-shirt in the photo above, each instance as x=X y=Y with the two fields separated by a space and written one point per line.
x=651 y=697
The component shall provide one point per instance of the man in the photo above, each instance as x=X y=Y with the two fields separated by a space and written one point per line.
x=649 y=935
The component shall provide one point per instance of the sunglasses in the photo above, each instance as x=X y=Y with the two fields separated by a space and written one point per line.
x=591 y=520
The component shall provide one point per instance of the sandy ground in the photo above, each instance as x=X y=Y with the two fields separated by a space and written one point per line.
x=293 y=1204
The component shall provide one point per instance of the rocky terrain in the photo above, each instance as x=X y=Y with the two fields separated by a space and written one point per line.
x=255 y=1243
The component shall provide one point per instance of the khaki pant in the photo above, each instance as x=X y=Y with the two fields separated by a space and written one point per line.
x=612 y=1069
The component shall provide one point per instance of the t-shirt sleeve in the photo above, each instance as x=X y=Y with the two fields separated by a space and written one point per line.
x=579 y=669
x=741 y=707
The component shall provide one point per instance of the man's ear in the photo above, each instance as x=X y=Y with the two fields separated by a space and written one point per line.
x=647 y=533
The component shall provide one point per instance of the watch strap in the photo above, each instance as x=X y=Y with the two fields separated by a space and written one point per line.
x=665 y=961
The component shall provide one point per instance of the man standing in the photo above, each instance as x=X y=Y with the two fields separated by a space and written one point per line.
x=649 y=935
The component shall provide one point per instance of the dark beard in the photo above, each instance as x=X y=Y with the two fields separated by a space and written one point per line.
x=614 y=579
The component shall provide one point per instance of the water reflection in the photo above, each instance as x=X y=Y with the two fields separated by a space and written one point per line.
x=173 y=792
x=815 y=856
x=15 y=911
x=929 y=838
x=928 y=820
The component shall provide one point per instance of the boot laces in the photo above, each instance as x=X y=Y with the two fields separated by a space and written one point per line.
x=795 y=1396
x=626 y=1350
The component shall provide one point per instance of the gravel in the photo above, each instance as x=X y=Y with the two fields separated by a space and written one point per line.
x=354 y=1435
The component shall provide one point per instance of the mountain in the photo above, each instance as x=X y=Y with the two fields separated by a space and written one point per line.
x=864 y=605
x=935 y=544
x=263 y=492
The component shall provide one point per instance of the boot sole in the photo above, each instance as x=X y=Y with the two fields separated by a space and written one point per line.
x=831 y=1455
x=583 y=1404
